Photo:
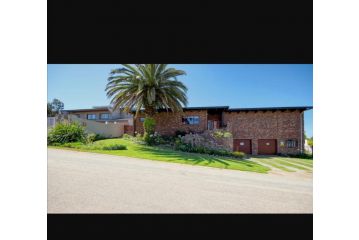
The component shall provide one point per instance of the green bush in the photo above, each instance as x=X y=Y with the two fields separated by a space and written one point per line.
x=238 y=154
x=127 y=136
x=67 y=132
x=114 y=147
x=152 y=139
x=180 y=133
x=99 y=137
x=168 y=139
x=149 y=125
x=73 y=145
x=179 y=146
x=222 y=134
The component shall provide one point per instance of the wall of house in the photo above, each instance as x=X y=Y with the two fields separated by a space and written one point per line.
x=83 y=115
x=267 y=125
x=167 y=123
x=108 y=130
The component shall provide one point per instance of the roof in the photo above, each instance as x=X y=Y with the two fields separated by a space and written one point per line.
x=87 y=110
x=302 y=108
x=207 y=108
x=225 y=108
x=102 y=108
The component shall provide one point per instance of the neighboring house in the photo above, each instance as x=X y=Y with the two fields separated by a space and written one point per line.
x=267 y=131
x=51 y=122
x=102 y=120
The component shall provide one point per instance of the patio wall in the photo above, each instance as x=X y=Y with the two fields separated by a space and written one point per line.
x=108 y=130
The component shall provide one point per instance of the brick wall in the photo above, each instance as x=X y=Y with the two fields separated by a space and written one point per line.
x=267 y=125
x=167 y=123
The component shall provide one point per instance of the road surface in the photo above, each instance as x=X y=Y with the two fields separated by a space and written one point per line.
x=80 y=182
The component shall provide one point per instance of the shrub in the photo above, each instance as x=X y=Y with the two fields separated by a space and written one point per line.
x=92 y=137
x=167 y=139
x=149 y=125
x=114 y=147
x=180 y=133
x=152 y=139
x=147 y=138
x=100 y=137
x=138 y=138
x=127 y=136
x=238 y=154
x=67 y=132
x=222 y=134
x=184 y=147
x=73 y=145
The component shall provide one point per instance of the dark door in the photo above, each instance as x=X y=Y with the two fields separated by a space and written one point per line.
x=242 y=145
x=267 y=146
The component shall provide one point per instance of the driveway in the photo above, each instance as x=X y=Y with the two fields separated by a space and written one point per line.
x=80 y=182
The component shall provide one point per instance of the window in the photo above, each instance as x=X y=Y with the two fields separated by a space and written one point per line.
x=291 y=143
x=91 y=116
x=104 y=116
x=142 y=119
x=191 y=120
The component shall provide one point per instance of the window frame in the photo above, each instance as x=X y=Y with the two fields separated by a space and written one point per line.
x=104 y=118
x=94 y=114
x=193 y=121
x=291 y=143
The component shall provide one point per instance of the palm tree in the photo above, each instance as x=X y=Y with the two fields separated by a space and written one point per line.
x=146 y=86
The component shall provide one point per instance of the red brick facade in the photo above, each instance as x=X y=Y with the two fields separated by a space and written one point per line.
x=167 y=123
x=254 y=125
x=278 y=125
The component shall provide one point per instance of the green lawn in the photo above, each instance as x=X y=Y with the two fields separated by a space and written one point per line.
x=168 y=155
x=260 y=164
x=287 y=164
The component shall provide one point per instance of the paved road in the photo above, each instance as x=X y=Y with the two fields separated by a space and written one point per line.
x=80 y=182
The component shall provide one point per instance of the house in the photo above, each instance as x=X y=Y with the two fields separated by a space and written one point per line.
x=102 y=120
x=267 y=131
x=264 y=131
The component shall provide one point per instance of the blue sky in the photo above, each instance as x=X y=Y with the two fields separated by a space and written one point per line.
x=235 y=85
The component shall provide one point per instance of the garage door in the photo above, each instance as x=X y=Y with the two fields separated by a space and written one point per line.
x=243 y=145
x=267 y=146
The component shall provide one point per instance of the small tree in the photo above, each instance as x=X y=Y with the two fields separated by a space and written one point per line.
x=54 y=108
x=149 y=127
x=57 y=106
x=310 y=142
x=50 y=112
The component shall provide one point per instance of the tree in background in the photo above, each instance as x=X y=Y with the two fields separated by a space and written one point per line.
x=50 y=113
x=310 y=142
x=54 y=108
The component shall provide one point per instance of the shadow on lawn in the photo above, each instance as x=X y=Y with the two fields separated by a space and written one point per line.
x=281 y=157
x=195 y=158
